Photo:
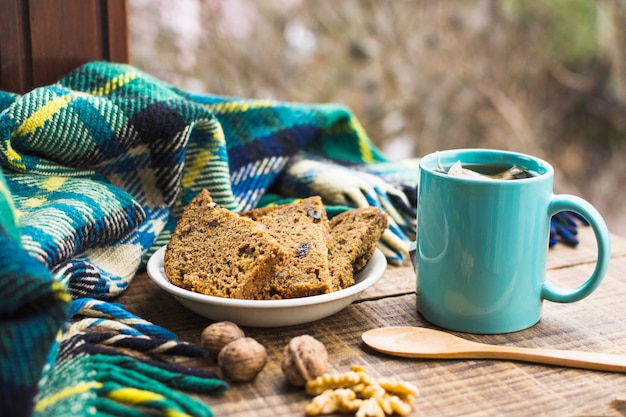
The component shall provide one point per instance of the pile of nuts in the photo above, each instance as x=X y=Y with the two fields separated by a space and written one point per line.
x=241 y=358
x=304 y=363
x=357 y=392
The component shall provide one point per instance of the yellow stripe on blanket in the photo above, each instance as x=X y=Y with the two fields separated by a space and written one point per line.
x=115 y=83
x=194 y=170
x=42 y=115
x=32 y=123
x=239 y=106
x=66 y=392
x=139 y=396
x=134 y=396
x=201 y=160
x=53 y=183
x=14 y=157
x=365 y=145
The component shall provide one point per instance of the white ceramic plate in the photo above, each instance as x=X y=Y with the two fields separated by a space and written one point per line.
x=269 y=313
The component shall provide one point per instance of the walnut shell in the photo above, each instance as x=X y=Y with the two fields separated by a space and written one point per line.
x=241 y=360
x=217 y=335
x=305 y=358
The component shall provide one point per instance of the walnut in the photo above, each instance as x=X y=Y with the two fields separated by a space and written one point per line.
x=217 y=335
x=305 y=358
x=241 y=360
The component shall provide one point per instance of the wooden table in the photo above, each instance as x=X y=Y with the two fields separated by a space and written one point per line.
x=447 y=387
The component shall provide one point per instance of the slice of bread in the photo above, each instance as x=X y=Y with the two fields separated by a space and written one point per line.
x=277 y=252
x=302 y=229
x=355 y=234
x=216 y=252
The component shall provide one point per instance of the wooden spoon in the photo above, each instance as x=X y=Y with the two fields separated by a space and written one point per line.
x=420 y=342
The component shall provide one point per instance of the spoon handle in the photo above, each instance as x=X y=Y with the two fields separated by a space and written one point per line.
x=572 y=359
x=424 y=343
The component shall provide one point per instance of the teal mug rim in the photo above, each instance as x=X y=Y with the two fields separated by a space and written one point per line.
x=447 y=157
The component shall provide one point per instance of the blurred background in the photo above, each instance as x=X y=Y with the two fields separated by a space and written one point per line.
x=541 y=77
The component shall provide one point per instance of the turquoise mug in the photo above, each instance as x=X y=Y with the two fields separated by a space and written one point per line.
x=482 y=243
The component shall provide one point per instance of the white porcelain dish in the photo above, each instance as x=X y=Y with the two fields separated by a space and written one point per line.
x=269 y=313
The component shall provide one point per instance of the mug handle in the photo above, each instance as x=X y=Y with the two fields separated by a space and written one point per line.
x=566 y=202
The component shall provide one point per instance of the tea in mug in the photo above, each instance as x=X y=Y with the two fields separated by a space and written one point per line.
x=496 y=172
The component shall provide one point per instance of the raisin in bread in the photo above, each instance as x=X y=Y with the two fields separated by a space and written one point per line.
x=355 y=235
x=216 y=252
x=302 y=229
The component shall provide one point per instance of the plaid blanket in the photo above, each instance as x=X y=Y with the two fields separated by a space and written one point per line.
x=95 y=171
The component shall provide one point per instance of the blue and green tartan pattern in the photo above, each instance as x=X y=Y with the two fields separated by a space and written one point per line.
x=119 y=130
x=95 y=172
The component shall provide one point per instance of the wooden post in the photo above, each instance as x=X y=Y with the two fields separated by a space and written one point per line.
x=42 y=40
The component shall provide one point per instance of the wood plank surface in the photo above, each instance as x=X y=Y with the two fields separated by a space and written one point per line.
x=447 y=387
